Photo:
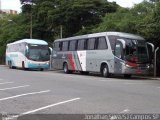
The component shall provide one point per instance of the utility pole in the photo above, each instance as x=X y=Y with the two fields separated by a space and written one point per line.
x=31 y=26
x=155 y=62
x=61 y=31
x=31 y=20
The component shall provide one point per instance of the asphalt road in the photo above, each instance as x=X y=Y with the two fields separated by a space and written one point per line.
x=53 y=92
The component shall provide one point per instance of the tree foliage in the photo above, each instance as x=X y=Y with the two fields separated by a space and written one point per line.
x=80 y=17
x=137 y=20
x=73 y=15
x=47 y=16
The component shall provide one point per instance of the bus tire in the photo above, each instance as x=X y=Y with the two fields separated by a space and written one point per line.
x=105 y=71
x=65 y=68
x=23 y=66
x=10 y=65
x=127 y=76
x=84 y=72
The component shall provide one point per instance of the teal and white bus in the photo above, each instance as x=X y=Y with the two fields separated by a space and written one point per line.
x=28 y=54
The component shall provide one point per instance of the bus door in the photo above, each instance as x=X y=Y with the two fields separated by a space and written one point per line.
x=119 y=55
x=73 y=56
x=55 y=55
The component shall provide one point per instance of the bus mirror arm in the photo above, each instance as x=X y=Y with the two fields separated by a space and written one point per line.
x=153 y=48
x=123 y=43
x=50 y=50
x=151 y=54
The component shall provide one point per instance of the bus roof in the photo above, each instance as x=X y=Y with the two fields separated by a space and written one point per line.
x=30 y=41
x=121 y=34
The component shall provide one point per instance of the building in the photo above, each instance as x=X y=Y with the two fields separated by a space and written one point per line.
x=7 y=11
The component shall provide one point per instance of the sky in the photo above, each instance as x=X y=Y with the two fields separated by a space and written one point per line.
x=15 y=4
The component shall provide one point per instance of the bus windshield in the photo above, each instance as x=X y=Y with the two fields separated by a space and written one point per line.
x=136 y=51
x=38 y=52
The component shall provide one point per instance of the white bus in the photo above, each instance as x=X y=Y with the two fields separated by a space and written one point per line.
x=28 y=54
x=106 y=52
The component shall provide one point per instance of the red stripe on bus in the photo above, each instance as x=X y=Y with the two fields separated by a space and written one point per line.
x=71 y=61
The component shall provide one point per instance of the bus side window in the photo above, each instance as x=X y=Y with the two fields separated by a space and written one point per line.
x=112 y=40
x=102 y=43
x=91 y=43
x=60 y=46
x=73 y=45
x=65 y=46
x=56 y=46
x=68 y=45
x=81 y=45
x=85 y=44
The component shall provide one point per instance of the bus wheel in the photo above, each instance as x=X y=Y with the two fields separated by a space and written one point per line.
x=127 y=75
x=104 y=71
x=84 y=72
x=23 y=66
x=65 y=68
x=10 y=65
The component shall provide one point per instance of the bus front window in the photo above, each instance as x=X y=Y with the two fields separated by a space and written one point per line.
x=38 y=52
x=136 y=51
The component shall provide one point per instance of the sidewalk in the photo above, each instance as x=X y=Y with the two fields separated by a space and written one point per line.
x=148 y=77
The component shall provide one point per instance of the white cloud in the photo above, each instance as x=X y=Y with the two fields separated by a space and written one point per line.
x=15 y=4
x=11 y=4
x=126 y=3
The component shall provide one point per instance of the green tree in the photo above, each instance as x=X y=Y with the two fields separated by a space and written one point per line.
x=12 y=28
x=73 y=15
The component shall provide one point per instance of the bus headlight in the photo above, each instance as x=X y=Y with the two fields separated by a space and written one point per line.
x=132 y=65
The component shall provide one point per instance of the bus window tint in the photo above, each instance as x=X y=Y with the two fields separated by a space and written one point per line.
x=56 y=46
x=65 y=46
x=112 y=40
x=91 y=43
x=72 y=45
x=38 y=52
x=118 y=50
x=81 y=45
x=136 y=51
x=102 y=43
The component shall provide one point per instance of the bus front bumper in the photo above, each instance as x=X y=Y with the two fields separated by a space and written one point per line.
x=38 y=65
x=136 y=70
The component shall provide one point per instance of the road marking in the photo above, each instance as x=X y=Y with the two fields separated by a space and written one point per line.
x=136 y=83
x=125 y=111
x=14 y=87
x=6 y=83
x=33 y=93
x=114 y=117
x=103 y=80
x=42 y=108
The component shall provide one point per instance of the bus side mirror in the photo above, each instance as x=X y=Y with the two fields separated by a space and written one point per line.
x=151 y=50
x=151 y=45
x=123 y=43
x=50 y=50
x=119 y=48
